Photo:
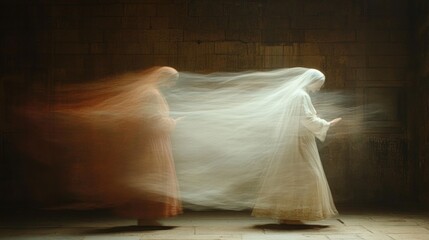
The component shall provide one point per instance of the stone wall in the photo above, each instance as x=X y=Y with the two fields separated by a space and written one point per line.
x=420 y=108
x=361 y=46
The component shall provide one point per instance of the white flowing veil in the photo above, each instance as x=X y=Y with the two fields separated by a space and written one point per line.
x=233 y=125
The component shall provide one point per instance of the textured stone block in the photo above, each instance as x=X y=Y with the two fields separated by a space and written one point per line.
x=305 y=61
x=273 y=36
x=159 y=22
x=72 y=48
x=320 y=8
x=113 y=10
x=136 y=22
x=97 y=48
x=230 y=48
x=165 y=48
x=373 y=35
x=66 y=35
x=330 y=36
x=194 y=48
x=349 y=61
x=388 y=61
x=388 y=49
x=175 y=10
x=400 y=36
x=205 y=8
x=240 y=23
x=312 y=49
x=250 y=35
x=271 y=50
x=347 y=49
x=104 y=22
x=320 y=22
x=145 y=10
x=379 y=74
x=129 y=48
x=270 y=62
x=204 y=35
x=123 y=35
x=154 y=35
x=164 y=60
x=249 y=62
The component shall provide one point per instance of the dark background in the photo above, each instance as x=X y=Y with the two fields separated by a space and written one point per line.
x=376 y=49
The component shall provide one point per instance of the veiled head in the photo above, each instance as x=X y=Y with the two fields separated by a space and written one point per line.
x=316 y=80
x=166 y=76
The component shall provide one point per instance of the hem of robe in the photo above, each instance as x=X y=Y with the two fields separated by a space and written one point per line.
x=298 y=214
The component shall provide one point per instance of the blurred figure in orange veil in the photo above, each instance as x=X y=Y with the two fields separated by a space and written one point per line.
x=110 y=140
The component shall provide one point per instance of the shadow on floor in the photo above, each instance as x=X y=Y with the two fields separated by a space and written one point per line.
x=290 y=227
x=124 y=229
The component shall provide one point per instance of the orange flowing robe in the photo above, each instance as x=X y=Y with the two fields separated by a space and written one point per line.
x=108 y=145
x=154 y=175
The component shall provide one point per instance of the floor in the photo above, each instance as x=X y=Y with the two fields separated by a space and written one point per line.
x=220 y=225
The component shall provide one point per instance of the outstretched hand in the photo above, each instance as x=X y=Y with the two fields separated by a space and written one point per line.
x=335 y=121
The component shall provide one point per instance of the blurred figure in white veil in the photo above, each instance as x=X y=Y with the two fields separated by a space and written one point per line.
x=248 y=142
x=294 y=185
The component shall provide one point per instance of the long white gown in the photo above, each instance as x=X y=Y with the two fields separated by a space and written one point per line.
x=294 y=186
x=248 y=141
